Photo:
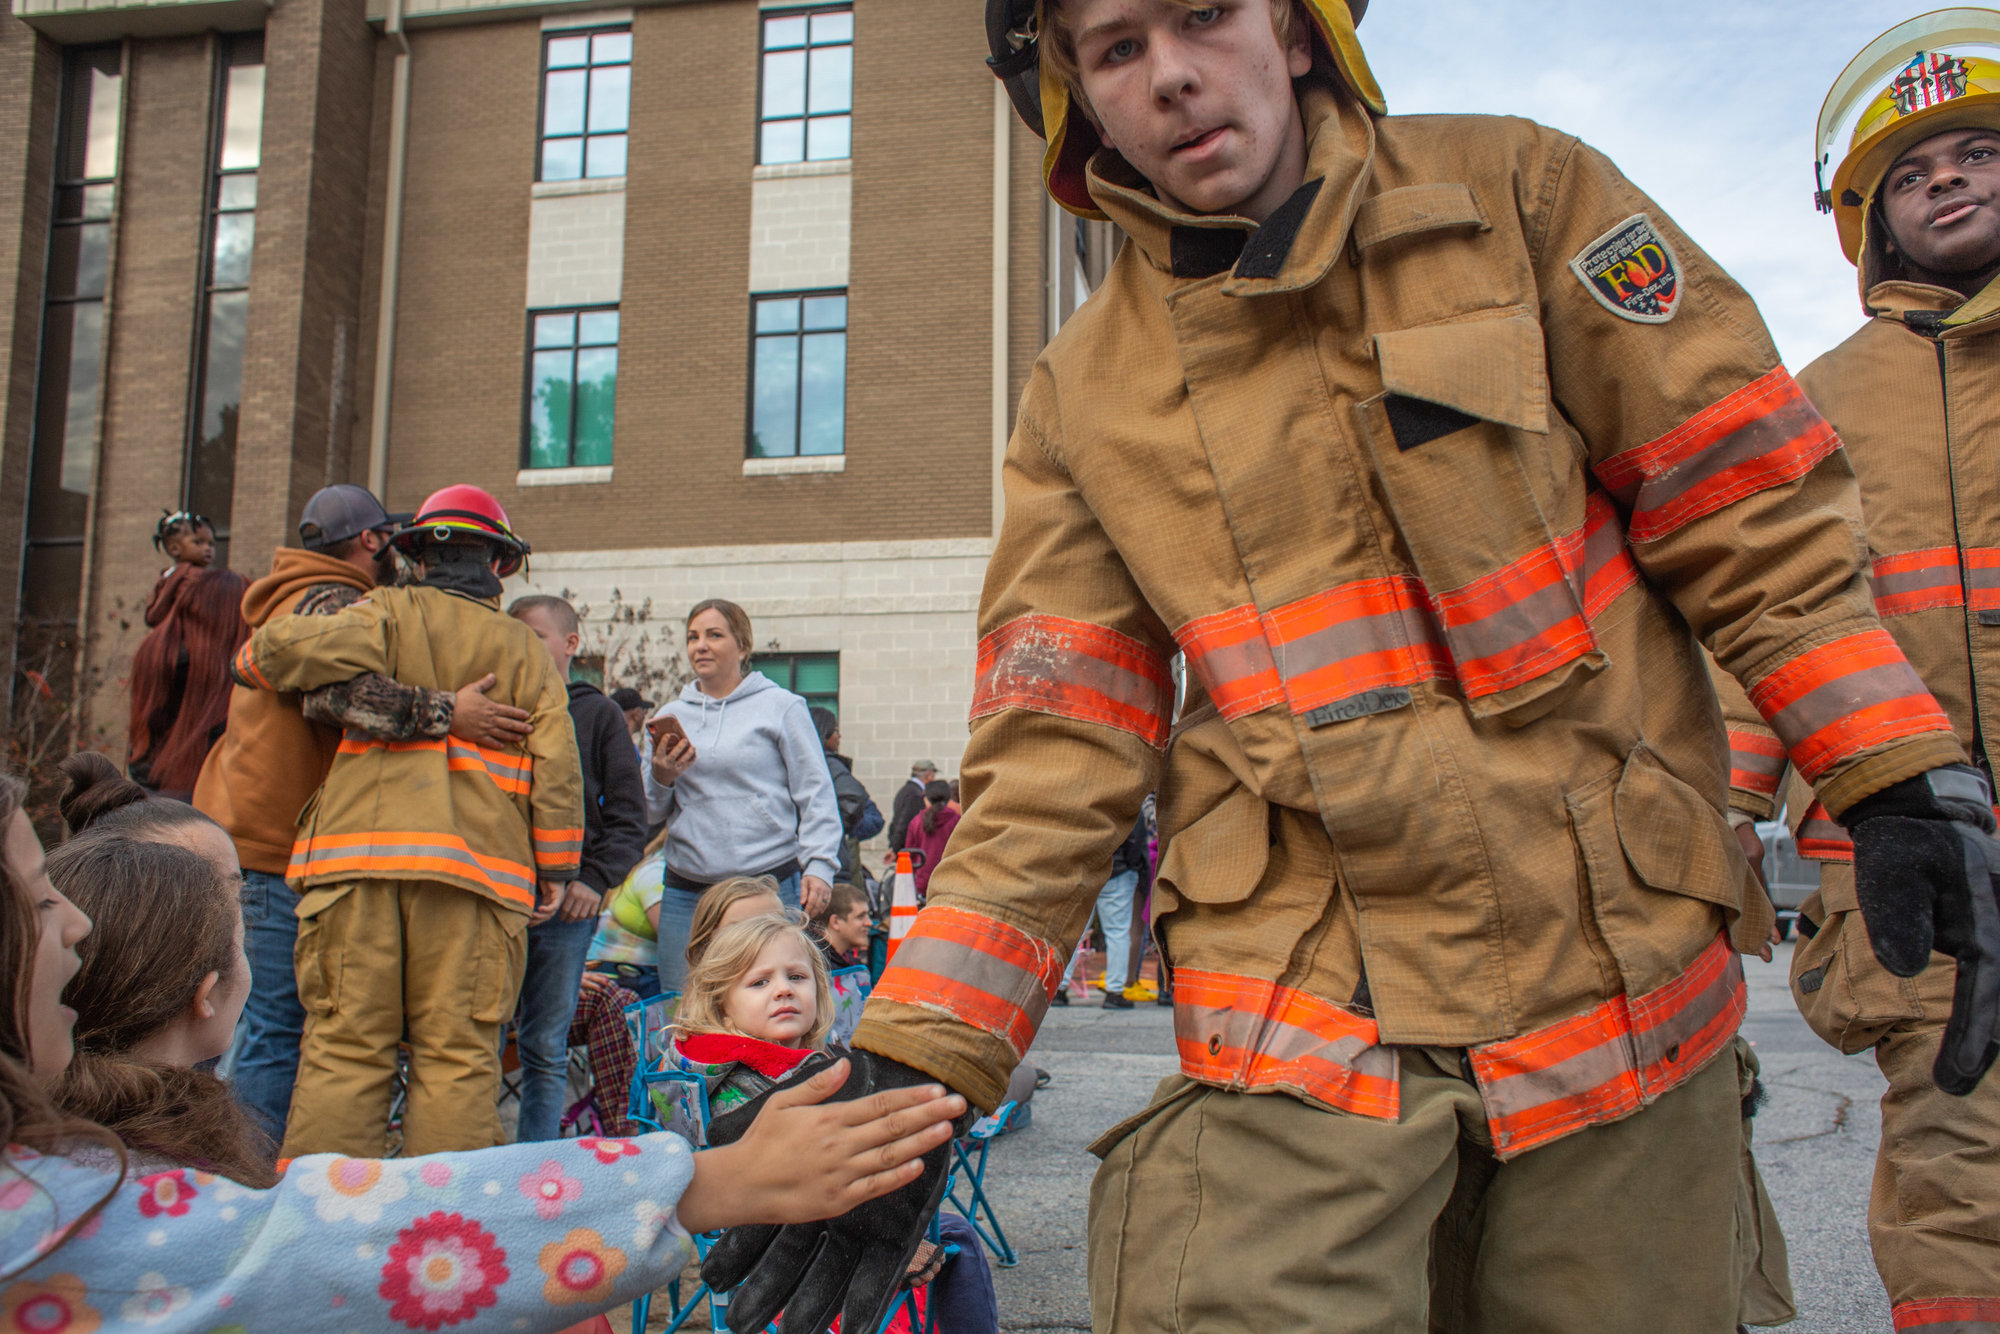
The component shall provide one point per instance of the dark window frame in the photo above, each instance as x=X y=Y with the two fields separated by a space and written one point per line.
x=799 y=385
x=818 y=698
x=804 y=118
x=528 y=350
x=542 y=102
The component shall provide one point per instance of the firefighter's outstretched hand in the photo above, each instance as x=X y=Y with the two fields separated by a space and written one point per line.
x=488 y=722
x=851 y=1265
x=1927 y=875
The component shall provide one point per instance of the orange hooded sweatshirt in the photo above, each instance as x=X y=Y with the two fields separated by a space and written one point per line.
x=270 y=760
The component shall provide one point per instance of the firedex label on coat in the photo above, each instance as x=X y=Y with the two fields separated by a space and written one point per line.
x=1632 y=272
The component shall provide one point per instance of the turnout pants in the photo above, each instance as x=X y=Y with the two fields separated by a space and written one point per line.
x=379 y=960
x=1934 y=1211
x=1230 y=1211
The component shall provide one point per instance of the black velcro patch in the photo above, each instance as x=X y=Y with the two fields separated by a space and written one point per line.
x=1417 y=421
x=1269 y=245
x=1203 y=252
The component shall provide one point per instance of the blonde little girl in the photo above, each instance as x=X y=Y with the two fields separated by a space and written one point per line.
x=758 y=1002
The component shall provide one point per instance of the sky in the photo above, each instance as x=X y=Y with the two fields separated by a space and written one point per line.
x=1708 y=106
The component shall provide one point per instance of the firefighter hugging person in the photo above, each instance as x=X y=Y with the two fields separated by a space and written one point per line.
x=419 y=861
x=1440 y=452
x=1915 y=395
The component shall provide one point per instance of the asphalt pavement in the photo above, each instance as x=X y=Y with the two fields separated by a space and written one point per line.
x=1815 y=1144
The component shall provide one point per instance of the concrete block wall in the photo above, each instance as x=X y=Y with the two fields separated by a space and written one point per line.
x=799 y=229
x=576 y=247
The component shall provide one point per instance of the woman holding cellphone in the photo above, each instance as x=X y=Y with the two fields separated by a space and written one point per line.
x=740 y=777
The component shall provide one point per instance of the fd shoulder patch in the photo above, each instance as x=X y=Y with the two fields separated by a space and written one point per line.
x=1632 y=272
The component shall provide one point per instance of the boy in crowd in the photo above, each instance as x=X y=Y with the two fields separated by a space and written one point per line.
x=843 y=933
x=614 y=838
x=418 y=862
x=1915 y=395
x=277 y=749
x=1435 y=447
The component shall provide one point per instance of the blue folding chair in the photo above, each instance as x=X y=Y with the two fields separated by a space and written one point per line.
x=678 y=1101
x=969 y=1159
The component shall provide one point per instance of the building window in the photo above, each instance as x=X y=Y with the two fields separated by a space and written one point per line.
x=225 y=317
x=807 y=101
x=816 y=676
x=798 y=375
x=586 y=102
x=63 y=455
x=572 y=388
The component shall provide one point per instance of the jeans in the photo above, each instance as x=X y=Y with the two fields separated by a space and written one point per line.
x=677 y=924
x=1114 y=914
x=267 y=1036
x=549 y=988
x=962 y=1297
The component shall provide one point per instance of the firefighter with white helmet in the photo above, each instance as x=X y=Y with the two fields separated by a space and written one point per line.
x=420 y=862
x=1437 y=450
x=1915 y=395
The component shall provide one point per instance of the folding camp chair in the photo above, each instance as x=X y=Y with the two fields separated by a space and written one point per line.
x=969 y=1159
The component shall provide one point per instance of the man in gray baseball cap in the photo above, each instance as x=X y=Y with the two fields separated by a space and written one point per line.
x=338 y=514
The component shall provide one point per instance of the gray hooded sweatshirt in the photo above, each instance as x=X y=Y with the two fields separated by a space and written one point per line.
x=758 y=793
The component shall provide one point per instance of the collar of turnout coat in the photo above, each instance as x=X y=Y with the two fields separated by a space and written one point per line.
x=1295 y=245
x=1932 y=310
x=768 y=1059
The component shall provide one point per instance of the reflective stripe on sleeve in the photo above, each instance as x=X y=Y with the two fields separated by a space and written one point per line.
x=1247 y=1033
x=1073 y=669
x=1822 y=838
x=1763 y=435
x=412 y=855
x=1756 y=762
x=977 y=970
x=246 y=669
x=1611 y=1060
x=1948 y=1315
x=1836 y=700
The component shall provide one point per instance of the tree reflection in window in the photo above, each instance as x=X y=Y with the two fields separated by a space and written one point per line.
x=572 y=388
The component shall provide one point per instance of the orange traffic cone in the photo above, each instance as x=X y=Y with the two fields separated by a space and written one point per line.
x=903 y=906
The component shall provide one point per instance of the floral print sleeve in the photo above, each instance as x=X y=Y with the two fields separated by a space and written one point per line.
x=528 y=1237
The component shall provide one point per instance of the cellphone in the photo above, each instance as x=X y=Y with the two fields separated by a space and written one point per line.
x=663 y=726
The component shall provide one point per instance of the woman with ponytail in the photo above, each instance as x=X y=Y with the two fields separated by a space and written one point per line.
x=180 y=679
x=529 y=1237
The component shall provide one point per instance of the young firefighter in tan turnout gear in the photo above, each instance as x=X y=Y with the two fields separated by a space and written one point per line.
x=1915 y=395
x=419 y=861
x=1439 y=452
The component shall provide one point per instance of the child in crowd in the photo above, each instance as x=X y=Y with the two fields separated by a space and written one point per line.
x=626 y=947
x=94 y=1241
x=757 y=1004
x=180 y=682
x=930 y=831
x=614 y=838
x=843 y=932
x=734 y=900
x=186 y=539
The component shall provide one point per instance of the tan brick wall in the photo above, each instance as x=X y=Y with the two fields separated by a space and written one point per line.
x=299 y=356
x=30 y=71
x=152 y=311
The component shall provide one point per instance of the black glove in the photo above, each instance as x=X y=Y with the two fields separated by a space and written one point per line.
x=1925 y=871
x=852 y=1265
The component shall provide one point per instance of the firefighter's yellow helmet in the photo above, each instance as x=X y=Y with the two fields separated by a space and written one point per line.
x=1043 y=100
x=1917 y=79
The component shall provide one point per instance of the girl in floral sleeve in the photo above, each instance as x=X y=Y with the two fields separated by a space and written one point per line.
x=533 y=1237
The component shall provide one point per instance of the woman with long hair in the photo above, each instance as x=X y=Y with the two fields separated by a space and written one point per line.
x=930 y=831
x=181 y=682
x=531 y=1237
x=740 y=777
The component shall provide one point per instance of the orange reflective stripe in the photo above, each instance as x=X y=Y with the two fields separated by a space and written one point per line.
x=246 y=669
x=1982 y=576
x=1917 y=581
x=1763 y=435
x=1822 y=838
x=1756 y=762
x=1247 y=1032
x=410 y=855
x=1495 y=633
x=1611 y=1060
x=513 y=774
x=1073 y=669
x=1833 y=702
x=977 y=970
x=1948 y=1315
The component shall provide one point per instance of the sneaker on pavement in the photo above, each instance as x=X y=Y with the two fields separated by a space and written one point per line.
x=1116 y=1000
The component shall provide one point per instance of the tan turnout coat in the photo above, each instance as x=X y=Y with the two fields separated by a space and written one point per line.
x=1437 y=519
